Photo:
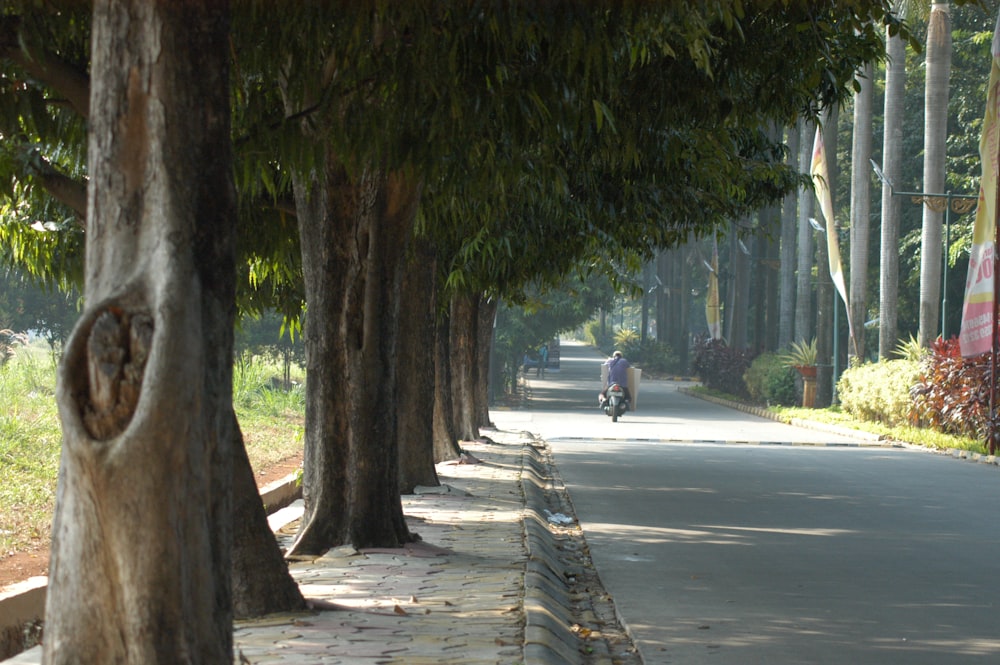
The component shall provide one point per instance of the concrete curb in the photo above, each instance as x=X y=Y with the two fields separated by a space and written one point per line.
x=762 y=412
x=548 y=637
x=22 y=606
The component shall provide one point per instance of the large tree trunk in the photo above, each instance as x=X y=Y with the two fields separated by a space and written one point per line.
x=935 y=137
x=445 y=436
x=415 y=369
x=140 y=562
x=463 y=336
x=805 y=323
x=861 y=208
x=355 y=230
x=892 y=150
x=485 y=320
x=261 y=582
x=786 y=315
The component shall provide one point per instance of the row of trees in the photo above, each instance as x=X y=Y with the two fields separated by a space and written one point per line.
x=399 y=169
x=774 y=277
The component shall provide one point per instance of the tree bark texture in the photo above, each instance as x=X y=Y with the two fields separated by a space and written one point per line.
x=861 y=154
x=415 y=370
x=355 y=229
x=892 y=150
x=261 y=581
x=445 y=436
x=805 y=322
x=464 y=322
x=140 y=559
x=786 y=315
x=485 y=319
x=935 y=137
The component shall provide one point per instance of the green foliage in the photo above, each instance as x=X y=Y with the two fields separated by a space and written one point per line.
x=720 y=367
x=880 y=392
x=769 y=380
x=800 y=354
x=953 y=393
x=30 y=443
x=910 y=350
x=595 y=338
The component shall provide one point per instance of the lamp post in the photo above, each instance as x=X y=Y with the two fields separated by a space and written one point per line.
x=947 y=202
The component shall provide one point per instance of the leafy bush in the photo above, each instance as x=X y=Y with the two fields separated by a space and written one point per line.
x=770 y=381
x=953 y=393
x=880 y=392
x=596 y=339
x=720 y=367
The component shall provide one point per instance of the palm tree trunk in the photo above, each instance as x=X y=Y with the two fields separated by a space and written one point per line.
x=892 y=143
x=804 y=321
x=786 y=316
x=860 y=208
x=935 y=136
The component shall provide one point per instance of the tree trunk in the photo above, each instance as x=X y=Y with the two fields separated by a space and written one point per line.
x=486 y=312
x=445 y=437
x=861 y=154
x=415 y=369
x=357 y=226
x=935 y=137
x=892 y=166
x=140 y=564
x=464 y=364
x=786 y=315
x=261 y=581
x=739 y=292
x=825 y=291
x=805 y=323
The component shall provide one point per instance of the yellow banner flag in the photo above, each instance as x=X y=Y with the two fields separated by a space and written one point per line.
x=712 y=314
x=821 y=179
x=977 y=310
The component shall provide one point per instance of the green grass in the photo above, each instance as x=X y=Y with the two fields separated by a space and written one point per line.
x=272 y=421
x=834 y=416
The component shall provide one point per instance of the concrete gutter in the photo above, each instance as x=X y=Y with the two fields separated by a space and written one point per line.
x=22 y=605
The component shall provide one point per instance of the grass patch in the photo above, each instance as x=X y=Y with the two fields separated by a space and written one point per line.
x=272 y=420
x=834 y=416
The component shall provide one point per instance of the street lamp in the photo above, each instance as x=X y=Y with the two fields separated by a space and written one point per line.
x=948 y=202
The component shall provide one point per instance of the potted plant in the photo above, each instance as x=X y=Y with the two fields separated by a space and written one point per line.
x=802 y=356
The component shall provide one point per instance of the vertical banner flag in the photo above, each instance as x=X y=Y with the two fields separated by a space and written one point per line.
x=977 y=309
x=821 y=181
x=712 y=297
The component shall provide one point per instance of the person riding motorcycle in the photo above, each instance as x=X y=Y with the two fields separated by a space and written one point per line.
x=617 y=373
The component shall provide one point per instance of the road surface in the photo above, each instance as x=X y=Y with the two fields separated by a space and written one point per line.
x=812 y=549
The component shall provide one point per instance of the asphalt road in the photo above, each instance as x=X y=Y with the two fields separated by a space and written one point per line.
x=723 y=552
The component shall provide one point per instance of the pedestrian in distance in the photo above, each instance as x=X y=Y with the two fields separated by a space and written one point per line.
x=543 y=359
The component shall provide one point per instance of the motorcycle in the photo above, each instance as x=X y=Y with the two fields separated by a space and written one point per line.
x=615 y=404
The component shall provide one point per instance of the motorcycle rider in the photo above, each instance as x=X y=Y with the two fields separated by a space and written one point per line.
x=617 y=373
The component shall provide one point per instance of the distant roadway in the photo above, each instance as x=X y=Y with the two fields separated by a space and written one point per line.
x=730 y=539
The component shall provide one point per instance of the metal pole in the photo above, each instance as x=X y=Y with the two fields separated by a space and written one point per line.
x=836 y=350
x=944 y=266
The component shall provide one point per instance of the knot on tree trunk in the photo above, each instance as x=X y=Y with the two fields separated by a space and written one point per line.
x=118 y=347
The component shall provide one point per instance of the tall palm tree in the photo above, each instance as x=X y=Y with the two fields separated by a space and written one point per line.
x=804 y=319
x=935 y=133
x=892 y=148
x=860 y=206
x=786 y=316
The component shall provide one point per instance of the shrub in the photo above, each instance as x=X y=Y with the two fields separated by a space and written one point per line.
x=720 y=367
x=953 y=393
x=770 y=381
x=596 y=339
x=880 y=392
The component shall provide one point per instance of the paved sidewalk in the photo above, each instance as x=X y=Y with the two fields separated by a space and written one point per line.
x=490 y=582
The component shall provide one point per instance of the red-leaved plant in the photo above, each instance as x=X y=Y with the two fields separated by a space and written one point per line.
x=953 y=395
